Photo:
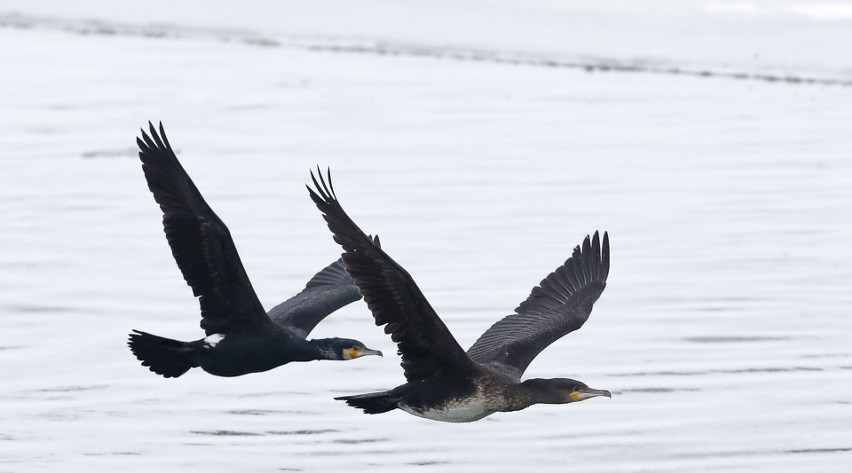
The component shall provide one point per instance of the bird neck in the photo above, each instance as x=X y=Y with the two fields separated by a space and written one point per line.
x=542 y=391
x=324 y=349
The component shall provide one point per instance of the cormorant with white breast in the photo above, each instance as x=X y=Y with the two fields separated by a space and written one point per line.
x=241 y=337
x=445 y=383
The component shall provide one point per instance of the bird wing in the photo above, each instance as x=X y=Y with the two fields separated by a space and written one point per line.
x=200 y=242
x=560 y=304
x=426 y=345
x=329 y=290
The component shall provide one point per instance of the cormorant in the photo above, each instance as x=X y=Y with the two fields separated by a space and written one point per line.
x=241 y=337
x=445 y=383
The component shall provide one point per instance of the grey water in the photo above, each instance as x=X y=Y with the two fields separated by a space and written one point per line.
x=724 y=332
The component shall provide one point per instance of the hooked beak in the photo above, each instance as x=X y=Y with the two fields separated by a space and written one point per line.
x=367 y=351
x=587 y=393
x=358 y=352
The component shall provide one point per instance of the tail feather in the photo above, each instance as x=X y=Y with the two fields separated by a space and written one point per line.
x=164 y=356
x=372 y=403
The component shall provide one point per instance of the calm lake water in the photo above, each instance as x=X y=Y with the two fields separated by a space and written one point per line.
x=724 y=333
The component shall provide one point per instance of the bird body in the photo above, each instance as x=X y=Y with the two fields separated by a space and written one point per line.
x=444 y=382
x=463 y=399
x=468 y=398
x=240 y=353
x=241 y=337
x=449 y=405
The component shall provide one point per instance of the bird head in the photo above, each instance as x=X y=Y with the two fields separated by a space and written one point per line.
x=348 y=349
x=576 y=391
x=563 y=390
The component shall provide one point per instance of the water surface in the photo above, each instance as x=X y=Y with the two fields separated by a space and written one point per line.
x=724 y=331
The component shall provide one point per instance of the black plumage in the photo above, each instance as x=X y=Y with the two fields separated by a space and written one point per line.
x=241 y=337
x=443 y=381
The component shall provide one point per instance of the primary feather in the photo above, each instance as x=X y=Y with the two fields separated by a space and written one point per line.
x=560 y=304
x=425 y=343
x=201 y=243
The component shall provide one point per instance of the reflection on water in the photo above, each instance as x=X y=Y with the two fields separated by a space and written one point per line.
x=723 y=333
x=655 y=390
x=820 y=450
x=733 y=339
x=227 y=433
x=111 y=153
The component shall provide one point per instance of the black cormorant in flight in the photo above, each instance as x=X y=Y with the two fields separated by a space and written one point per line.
x=446 y=383
x=241 y=337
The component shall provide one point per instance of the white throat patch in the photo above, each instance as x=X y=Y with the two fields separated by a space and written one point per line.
x=214 y=340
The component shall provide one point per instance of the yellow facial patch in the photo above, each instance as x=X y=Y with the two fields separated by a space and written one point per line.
x=588 y=393
x=351 y=353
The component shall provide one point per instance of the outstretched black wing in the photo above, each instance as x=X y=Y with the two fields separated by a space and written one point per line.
x=329 y=290
x=425 y=344
x=201 y=243
x=560 y=304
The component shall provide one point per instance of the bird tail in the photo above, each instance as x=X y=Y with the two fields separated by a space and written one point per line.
x=372 y=403
x=164 y=356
